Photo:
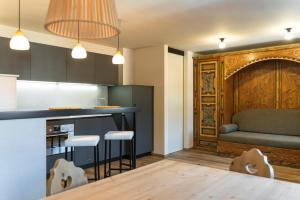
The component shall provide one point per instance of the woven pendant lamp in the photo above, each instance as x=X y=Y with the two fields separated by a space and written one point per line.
x=97 y=18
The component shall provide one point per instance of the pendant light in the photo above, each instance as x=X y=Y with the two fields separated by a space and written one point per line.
x=118 y=58
x=98 y=18
x=288 y=34
x=222 y=44
x=19 y=41
x=78 y=52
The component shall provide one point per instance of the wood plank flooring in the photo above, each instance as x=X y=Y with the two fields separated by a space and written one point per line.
x=209 y=159
x=175 y=180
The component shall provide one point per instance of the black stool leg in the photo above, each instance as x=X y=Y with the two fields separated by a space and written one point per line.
x=95 y=163
x=72 y=149
x=130 y=154
x=59 y=141
x=133 y=153
x=52 y=142
x=105 y=157
x=109 y=158
x=120 y=157
x=98 y=154
x=66 y=153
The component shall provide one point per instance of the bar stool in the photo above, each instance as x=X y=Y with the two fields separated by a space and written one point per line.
x=85 y=141
x=118 y=136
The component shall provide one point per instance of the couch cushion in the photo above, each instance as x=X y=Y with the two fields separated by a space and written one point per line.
x=283 y=141
x=282 y=122
x=228 y=128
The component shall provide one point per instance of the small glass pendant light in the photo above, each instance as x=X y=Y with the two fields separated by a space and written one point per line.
x=288 y=34
x=19 y=41
x=222 y=43
x=78 y=52
x=118 y=58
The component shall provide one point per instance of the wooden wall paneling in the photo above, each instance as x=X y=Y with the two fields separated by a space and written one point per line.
x=277 y=83
x=289 y=85
x=220 y=94
x=228 y=99
x=267 y=84
x=236 y=62
x=256 y=86
x=196 y=102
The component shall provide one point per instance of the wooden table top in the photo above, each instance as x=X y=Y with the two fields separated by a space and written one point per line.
x=174 y=180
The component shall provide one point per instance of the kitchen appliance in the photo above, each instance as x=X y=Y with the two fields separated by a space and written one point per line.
x=56 y=135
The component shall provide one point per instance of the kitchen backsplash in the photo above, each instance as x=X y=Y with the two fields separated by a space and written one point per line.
x=35 y=95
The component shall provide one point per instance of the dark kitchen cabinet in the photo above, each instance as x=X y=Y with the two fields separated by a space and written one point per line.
x=142 y=98
x=106 y=73
x=48 y=63
x=81 y=70
x=13 y=61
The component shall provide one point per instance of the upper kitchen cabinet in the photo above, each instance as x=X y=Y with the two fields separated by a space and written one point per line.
x=14 y=62
x=106 y=72
x=48 y=63
x=81 y=70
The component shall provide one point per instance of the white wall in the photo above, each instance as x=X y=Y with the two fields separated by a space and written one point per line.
x=173 y=103
x=35 y=95
x=128 y=68
x=172 y=78
x=149 y=64
x=188 y=100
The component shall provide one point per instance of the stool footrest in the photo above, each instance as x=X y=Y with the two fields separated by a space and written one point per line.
x=118 y=169
x=125 y=164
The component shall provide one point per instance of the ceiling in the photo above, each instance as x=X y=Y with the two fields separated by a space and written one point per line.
x=184 y=24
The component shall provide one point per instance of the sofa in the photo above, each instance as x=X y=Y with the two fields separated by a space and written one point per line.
x=274 y=131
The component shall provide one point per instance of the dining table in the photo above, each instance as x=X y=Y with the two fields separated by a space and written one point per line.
x=174 y=180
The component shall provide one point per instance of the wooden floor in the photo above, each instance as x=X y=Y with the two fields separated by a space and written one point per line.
x=209 y=159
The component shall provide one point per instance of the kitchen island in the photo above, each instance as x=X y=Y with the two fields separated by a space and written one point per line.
x=23 y=148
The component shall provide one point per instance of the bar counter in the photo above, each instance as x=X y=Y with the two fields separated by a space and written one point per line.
x=63 y=113
x=23 y=147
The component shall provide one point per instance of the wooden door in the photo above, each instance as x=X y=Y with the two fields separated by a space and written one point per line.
x=206 y=107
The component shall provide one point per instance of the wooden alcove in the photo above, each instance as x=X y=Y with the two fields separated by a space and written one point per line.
x=273 y=83
x=258 y=78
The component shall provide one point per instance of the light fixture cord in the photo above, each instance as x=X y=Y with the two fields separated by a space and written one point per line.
x=19 y=14
x=78 y=32
x=119 y=42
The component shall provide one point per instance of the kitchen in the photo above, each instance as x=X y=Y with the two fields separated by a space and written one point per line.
x=47 y=96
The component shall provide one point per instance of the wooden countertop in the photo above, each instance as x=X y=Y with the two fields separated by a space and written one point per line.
x=172 y=180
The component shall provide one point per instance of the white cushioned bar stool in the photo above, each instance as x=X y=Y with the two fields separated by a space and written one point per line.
x=118 y=136
x=85 y=141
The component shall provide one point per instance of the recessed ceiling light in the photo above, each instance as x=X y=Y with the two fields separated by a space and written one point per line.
x=288 y=34
x=222 y=44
